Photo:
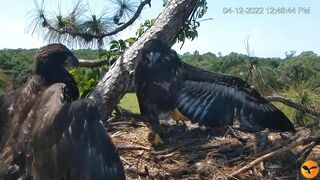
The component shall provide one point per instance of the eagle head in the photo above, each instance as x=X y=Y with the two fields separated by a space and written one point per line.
x=153 y=50
x=53 y=57
x=50 y=62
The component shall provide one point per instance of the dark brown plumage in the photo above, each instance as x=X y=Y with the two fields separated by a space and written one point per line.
x=47 y=133
x=164 y=83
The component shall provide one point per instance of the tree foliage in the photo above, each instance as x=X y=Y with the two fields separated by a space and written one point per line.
x=189 y=31
x=294 y=77
x=5 y=82
x=274 y=73
x=80 y=26
x=271 y=73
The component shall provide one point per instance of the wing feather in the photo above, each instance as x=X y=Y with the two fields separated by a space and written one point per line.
x=73 y=143
x=225 y=96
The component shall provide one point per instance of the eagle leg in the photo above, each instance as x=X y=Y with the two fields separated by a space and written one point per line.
x=154 y=136
x=155 y=139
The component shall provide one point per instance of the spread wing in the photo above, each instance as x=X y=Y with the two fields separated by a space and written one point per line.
x=314 y=167
x=214 y=99
x=305 y=167
x=163 y=83
x=70 y=142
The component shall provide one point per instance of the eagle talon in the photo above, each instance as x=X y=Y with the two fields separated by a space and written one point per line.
x=178 y=116
x=155 y=139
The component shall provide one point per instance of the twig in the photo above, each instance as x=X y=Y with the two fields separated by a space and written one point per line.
x=162 y=157
x=306 y=151
x=241 y=157
x=127 y=162
x=118 y=133
x=140 y=173
x=168 y=151
x=125 y=148
x=112 y=119
x=137 y=117
x=278 y=146
x=139 y=159
x=278 y=151
x=234 y=135
x=125 y=123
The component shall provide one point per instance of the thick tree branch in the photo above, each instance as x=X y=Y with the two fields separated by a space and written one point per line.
x=115 y=82
x=293 y=104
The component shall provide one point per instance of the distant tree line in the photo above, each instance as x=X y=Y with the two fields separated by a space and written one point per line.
x=267 y=74
x=296 y=76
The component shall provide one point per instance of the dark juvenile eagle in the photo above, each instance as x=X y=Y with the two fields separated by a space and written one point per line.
x=164 y=83
x=46 y=133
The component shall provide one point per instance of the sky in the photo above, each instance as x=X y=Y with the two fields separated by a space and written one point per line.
x=270 y=35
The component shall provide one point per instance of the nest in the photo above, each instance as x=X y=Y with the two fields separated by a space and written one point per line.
x=192 y=152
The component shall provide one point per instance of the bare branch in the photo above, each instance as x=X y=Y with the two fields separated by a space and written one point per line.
x=293 y=104
x=92 y=63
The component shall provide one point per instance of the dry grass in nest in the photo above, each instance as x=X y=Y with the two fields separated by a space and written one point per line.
x=191 y=152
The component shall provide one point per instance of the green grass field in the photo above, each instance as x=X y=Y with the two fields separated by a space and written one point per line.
x=129 y=102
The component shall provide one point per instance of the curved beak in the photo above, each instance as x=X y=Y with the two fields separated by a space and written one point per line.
x=153 y=57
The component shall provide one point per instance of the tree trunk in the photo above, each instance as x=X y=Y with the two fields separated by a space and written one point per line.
x=115 y=82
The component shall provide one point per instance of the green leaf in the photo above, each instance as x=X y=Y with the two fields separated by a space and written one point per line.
x=130 y=40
